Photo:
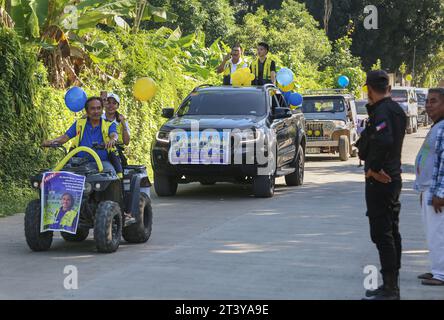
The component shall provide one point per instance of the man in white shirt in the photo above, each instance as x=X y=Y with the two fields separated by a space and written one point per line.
x=231 y=63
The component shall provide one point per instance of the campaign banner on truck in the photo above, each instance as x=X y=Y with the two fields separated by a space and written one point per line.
x=61 y=201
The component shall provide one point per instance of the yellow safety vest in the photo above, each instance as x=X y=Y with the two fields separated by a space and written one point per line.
x=80 y=129
x=228 y=65
x=267 y=68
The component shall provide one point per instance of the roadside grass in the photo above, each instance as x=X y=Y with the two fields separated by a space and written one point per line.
x=13 y=199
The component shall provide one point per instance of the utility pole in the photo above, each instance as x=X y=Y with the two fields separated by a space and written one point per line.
x=414 y=62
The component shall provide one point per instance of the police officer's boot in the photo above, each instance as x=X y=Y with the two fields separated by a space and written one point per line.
x=388 y=291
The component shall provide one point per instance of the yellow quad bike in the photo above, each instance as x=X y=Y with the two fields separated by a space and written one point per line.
x=106 y=199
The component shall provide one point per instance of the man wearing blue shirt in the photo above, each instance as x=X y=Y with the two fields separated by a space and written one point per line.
x=90 y=131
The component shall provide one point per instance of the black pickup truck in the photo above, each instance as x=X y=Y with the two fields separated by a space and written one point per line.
x=230 y=134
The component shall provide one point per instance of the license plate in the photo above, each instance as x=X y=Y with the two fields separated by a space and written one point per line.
x=206 y=148
x=313 y=150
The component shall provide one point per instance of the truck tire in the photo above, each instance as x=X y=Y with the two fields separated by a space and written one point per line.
x=263 y=186
x=108 y=226
x=80 y=235
x=344 y=148
x=140 y=231
x=297 y=178
x=165 y=186
x=36 y=240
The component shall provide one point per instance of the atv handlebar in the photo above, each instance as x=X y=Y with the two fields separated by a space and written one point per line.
x=57 y=146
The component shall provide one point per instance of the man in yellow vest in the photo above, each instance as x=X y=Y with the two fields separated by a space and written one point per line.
x=231 y=63
x=90 y=131
x=263 y=68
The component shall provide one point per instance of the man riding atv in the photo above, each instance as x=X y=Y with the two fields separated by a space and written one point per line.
x=91 y=131
x=106 y=197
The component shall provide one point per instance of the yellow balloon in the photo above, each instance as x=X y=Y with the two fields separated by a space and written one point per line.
x=144 y=89
x=242 y=77
x=409 y=77
x=286 y=88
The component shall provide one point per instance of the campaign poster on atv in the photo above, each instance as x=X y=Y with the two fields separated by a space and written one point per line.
x=61 y=201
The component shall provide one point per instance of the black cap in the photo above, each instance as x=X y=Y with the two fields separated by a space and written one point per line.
x=378 y=78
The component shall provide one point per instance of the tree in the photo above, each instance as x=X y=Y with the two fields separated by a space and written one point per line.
x=403 y=25
x=220 y=20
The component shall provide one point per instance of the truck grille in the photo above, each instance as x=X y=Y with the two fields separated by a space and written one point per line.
x=315 y=131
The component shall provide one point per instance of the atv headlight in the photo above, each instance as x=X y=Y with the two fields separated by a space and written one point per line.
x=87 y=188
x=163 y=136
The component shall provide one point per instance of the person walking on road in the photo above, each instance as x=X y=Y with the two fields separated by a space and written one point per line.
x=429 y=169
x=380 y=148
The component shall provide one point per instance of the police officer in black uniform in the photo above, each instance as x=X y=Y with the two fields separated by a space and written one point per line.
x=380 y=147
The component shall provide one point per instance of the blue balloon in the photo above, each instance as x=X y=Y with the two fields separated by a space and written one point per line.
x=296 y=99
x=285 y=76
x=287 y=96
x=75 y=99
x=343 y=81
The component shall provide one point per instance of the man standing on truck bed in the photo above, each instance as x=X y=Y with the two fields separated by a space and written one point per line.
x=263 y=67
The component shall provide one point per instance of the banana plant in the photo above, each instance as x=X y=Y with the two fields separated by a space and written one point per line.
x=59 y=27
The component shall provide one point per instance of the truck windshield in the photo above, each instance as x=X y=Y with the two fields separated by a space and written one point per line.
x=422 y=97
x=399 y=95
x=224 y=102
x=323 y=105
x=360 y=107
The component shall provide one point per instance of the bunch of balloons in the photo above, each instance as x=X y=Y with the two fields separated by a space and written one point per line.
x=75 y=99
x=242 y=77
x=285 y=82
x=144 y=89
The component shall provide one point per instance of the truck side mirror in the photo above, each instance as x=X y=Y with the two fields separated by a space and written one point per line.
x=168 y=113
x=281 y=113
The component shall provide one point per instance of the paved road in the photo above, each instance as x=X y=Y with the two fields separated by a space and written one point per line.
x=219 y=242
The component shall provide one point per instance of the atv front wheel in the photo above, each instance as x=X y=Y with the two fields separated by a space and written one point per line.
x=140 y=231
x=108 y=226
x=37 y=241
x=80 y=235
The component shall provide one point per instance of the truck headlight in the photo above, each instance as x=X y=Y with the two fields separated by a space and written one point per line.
x=248 y=136
x=163 y=136
x=340 y=124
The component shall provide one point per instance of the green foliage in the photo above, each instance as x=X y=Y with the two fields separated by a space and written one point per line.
x=403 y=25
x=342 y=62
x=377 y=65
x=178 y=56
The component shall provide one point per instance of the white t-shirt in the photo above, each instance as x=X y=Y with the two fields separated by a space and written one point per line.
x=239 y=64
x=115 y=121
x=425 y=160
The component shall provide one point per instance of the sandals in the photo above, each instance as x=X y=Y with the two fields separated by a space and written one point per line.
x=129 y=219
x=425 y=276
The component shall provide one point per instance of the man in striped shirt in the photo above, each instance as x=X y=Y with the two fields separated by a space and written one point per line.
x=430 y=183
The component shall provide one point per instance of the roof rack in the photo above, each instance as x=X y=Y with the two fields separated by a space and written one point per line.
x=202 y=86
x=326 y=91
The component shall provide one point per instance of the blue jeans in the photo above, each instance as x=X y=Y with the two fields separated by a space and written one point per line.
x=107 y=166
